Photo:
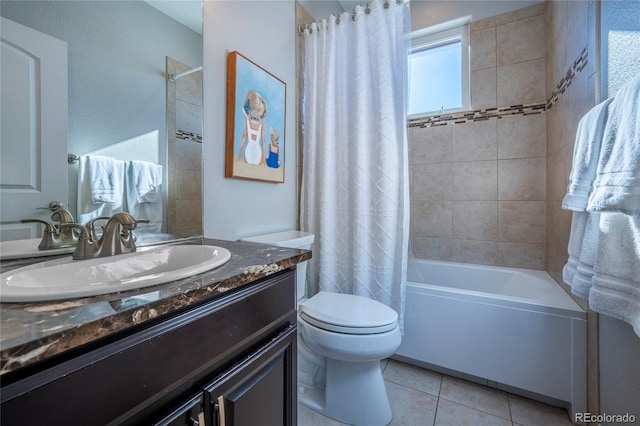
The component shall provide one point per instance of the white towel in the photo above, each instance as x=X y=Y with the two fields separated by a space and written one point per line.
x=578 y=224
x=615 y=289
x=145 y=179
x=100 y=187
x=582 y=279
x=144 y=194
x=586 y=153
x=105 y=179
x=617 y=185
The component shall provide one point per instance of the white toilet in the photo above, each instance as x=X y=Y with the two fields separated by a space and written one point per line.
x=341 y=340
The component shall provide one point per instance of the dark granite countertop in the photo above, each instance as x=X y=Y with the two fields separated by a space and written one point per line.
x=32 y=332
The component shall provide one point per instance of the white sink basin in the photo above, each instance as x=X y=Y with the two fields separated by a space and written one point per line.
x=18 y=249
x=66 y=278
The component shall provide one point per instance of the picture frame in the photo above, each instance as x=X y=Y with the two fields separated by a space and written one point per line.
x=256 y=107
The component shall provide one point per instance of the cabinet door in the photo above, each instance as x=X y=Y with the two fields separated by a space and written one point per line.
x=188 y=414
x=260 y=390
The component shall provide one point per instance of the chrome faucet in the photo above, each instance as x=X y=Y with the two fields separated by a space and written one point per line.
x=55 y=235
x=113 y=241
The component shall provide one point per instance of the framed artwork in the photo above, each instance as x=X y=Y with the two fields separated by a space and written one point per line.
x=255 y=122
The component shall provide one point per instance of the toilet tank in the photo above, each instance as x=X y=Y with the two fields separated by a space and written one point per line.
x=291 y=239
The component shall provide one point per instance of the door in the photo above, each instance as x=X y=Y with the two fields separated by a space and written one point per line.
x=33 y=128
x=260 y=390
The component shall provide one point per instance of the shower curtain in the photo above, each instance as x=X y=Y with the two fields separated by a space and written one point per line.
x=355 y=183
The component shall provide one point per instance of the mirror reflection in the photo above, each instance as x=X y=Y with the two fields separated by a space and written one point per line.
x=134 y=135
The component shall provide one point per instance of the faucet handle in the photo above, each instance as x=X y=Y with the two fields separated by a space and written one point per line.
x=48 y=227
x=91 y=226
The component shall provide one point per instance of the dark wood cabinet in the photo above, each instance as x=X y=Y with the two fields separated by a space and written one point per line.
x=257 y=390
x=229 y=361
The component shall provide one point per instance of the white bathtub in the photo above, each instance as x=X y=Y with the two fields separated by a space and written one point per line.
x=516 y=328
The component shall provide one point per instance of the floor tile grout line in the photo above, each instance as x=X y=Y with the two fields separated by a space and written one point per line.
x=478 y=409
x=435 y=415
x=509 y=402
x=412 y=388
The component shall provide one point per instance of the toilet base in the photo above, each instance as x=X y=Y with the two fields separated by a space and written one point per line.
x=354 y=393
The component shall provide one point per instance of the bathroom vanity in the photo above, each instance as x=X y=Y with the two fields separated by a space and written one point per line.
x=218 y=348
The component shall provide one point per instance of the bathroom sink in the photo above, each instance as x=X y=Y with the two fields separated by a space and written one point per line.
x=65 y=278
x=19 y=249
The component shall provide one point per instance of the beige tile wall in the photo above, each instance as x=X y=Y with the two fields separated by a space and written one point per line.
x=571 y=27
x=184 y=160
x=478 y=189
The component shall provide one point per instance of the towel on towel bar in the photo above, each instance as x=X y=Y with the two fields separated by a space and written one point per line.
x=105 y=176
x=617 y=185
x=144 y=179
x=615 y=288
x=586 y=153
x=144 y=196
x=100 y=187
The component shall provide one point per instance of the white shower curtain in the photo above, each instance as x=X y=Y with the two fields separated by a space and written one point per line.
x=355 y=183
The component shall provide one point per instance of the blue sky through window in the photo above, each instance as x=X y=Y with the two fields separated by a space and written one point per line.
x=435 y=78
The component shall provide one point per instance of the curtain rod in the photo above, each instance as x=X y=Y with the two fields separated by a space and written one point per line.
x=174 y=77
x=302 y=27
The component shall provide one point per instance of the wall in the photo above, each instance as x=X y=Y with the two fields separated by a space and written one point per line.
x=429 y=12
x=478 y=185
x=570 y=30
x=264 y=32
x=573 y=27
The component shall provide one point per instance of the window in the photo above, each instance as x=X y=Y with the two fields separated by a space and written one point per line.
x=439 y=69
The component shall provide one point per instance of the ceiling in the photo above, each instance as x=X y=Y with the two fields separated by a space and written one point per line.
x=187 y=12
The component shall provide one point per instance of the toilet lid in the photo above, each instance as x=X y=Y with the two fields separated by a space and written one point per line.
x=349 y=314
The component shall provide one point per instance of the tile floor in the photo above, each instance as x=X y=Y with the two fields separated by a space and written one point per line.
x=422 y=397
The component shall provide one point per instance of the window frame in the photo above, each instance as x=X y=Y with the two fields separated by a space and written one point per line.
x=439 y=35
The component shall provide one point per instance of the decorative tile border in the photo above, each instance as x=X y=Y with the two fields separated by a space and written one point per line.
x=510 y=111
x=190 y=136
x=565 y=82
x=478 y=115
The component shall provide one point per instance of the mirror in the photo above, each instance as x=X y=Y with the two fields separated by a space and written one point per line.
x=120 y=102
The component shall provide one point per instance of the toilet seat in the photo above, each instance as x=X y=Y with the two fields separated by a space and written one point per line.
x=348 y=314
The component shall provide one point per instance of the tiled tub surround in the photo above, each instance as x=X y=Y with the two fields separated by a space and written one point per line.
x=31 y=333
x=478 y=192
x=571 y=26
x=478 y=184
